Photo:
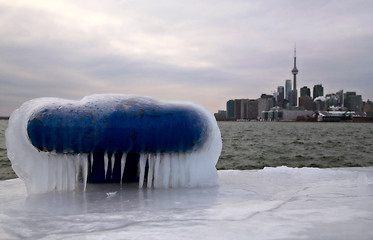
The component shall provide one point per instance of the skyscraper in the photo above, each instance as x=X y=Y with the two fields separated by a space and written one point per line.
x=340 y=98
x=305 y=100
x=318 y=91
x=353 y=102
x=287 y=89
x=305 y=91
x=280 y=97
x=230 y=109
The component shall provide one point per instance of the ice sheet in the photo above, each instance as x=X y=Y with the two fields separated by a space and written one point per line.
x=274 y=203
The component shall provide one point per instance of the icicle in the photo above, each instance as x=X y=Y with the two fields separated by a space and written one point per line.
x=59 y=170
x=52 y=175
x=77 y=167
x=70 y=173
x=44 y=169
x=157 y=175
x=64 y=172
x=142 y=162
x=106 y=162
x=91 y=158
x=112 y=160
x=122 y=166
x=183 y=170
x=186 y=157
x=85 y=169
x=165 y=170
x=151 y=161
x=174 y=170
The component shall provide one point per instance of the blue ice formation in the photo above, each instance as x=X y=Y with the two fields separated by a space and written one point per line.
x=56 y=144
x=124 y=125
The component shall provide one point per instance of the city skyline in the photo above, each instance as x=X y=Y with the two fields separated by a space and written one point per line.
x=202 y=51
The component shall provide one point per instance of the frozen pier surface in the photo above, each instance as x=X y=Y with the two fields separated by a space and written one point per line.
x=56 y=144
x=274 y=203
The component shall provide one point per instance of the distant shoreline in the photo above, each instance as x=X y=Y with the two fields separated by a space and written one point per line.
x=4 y=118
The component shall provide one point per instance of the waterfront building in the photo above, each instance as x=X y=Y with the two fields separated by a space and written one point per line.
x=230 y=109
x=319 y=104
x=252 y=109
x=368 y=109
x=353 y=102
x=265 y=102
x=280 y=96
x=305 y=91
x=237 y=108
x=293 y=98
x=287 y=89
x=221 y=115
x=340 y=98
x=318 y=91
x=275 y=97
x=332 y=100
x=278 y=114
x=306 y=102
x=245 y=109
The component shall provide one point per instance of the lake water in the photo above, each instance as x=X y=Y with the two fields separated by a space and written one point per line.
x=254 y=145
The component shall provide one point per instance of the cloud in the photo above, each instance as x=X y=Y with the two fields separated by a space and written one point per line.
x=203 y=51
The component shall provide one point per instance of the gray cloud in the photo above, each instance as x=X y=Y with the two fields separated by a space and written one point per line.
x=203 y=51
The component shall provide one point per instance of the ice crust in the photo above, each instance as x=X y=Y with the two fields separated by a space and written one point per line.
x=49 y=171
x=273 y=203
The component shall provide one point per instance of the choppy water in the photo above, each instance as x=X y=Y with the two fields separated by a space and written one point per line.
x=6 y=171
x=254 y=145
x=250 y=145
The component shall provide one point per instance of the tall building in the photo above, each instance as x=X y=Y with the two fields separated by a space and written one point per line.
x=244 y=109
x=353 y=102
x=318 y=91
x=356 y=103
x=331 y=100
x=265 y=102
x=237 y=108
x=306 y=102
x=280 y=97
x=287 y=89
x=368 y=109
x=230 y=109
x=252 y=109
x=293 y=98
x=294 y=93
x=221 y=115
x=305 y=91
x=340 y=98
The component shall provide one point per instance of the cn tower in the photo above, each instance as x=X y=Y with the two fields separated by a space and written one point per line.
x=294 y=92
x=295 y=70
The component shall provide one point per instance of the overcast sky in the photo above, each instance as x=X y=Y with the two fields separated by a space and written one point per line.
x=201 y=51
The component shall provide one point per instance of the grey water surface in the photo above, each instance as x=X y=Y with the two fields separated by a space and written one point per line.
x=255 y=145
